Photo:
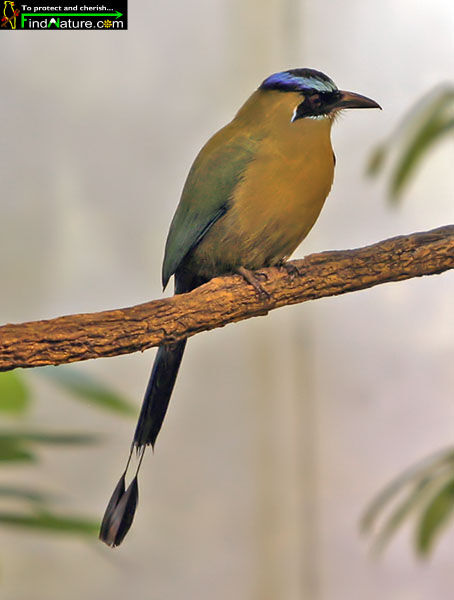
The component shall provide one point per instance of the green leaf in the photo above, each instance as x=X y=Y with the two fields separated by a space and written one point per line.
x=422 y=127
x=376 y=160
x=434 y=517
x=39 y=437
x=399 y=514
x=49 y=522
x=12 y=450
x=429 y=484
x=429 y=466
x=88 y=389
x=14 y=395
x=27 y=494
x=430 y=132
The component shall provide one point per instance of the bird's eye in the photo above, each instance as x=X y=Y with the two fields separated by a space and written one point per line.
x=313 y=105
x=315 y=100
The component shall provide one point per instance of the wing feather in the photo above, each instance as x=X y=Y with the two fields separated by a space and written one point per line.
x=207 y=193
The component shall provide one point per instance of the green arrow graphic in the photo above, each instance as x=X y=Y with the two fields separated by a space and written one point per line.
x=117 y=14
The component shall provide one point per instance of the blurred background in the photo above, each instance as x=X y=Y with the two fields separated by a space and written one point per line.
x=281 y=429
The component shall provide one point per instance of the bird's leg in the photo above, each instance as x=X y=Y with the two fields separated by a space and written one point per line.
x=252 y=279
x=291 y=269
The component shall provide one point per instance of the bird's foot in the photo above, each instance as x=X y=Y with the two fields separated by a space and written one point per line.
x=253 y=279
x=290 y=268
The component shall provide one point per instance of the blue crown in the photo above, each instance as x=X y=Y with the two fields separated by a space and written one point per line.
x=299 y=80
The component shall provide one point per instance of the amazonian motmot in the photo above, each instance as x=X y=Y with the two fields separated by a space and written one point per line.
x=252 y=195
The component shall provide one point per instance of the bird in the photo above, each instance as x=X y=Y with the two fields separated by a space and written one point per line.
x=251 y=196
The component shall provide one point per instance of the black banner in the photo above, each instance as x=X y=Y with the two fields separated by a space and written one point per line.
x=107 y=16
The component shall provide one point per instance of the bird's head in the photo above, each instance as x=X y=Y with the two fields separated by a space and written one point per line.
x=317 y=94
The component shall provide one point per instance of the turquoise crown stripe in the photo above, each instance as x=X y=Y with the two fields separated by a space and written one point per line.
x=299 y=80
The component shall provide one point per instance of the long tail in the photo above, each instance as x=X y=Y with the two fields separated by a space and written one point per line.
x=120 y=511
x=157 y=395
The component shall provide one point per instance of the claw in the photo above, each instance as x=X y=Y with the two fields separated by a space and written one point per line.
x=291 y=269
x=253 y=280
x=260 y=276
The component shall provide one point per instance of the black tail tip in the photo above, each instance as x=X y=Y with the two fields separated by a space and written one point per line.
x=119 y=513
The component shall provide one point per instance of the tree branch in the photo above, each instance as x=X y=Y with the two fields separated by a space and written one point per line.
x=223 y=300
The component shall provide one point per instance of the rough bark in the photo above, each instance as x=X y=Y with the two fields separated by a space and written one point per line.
x=223 y=300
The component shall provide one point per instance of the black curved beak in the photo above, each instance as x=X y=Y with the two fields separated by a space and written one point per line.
x=352 y=100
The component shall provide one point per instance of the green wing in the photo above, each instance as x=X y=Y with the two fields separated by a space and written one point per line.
x=207 y=192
